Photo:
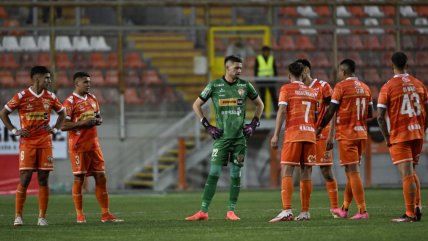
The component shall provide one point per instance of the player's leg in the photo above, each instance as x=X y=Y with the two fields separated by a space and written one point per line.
x=357 y=188
x=78 y=198
x=416 y=152
x=21 y=195
x=43 y=178
x=237 y=161
x=308 y=158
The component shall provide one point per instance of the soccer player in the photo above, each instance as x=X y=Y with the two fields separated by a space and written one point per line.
x=324 y=148
x=298 y=103
x=353 y=102
x=34 y=106
x=83 y=115
x=228 y=94
x=402 y=97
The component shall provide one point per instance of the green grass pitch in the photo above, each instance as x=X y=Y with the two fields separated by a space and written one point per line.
x=161 y=217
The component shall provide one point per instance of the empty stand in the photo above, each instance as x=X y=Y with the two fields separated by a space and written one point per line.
x=133 y=60
x=112 y=78
x=62 y=43
x=6 y=78
x=132 y=78
x=150 y=77
x=97 y=60
x=131 y=96
x=27 y=43
x=23 y=78
x=81 y=43
x=62 y=61
x=42 y=58
x=10 y=43
x=8 y=61
x=61 y=80
x=97 y=78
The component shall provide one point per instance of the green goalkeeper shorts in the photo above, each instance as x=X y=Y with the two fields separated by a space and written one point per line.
x=225 y=150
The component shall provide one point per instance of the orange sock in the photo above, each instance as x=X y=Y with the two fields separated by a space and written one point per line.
x=286 y=191
x=43 y=200
x=305 y=194
x=418 y=190
x=102 y=195
x=358 y=191
x=332 y=193
x=77 y=197
x=21 y=195
x=409 y=191
x=347 y=195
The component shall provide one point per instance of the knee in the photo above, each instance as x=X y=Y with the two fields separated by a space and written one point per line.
x=235 y=172
x=43 y=179
x=327 y=174
x=100 y=178
x=25 y=178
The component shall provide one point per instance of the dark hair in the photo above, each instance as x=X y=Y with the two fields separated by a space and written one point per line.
x=305 y=63
x=296 y=69
x=399 y=59
x=39 y=70
x=233 y=58
x=265 y=48
x=80 y=75
x=349 y=64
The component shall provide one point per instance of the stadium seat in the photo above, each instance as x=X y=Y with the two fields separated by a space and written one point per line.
x=357 y=11
x=286 y=42
x=6 y=79
x=62 y=43
x=80 y=43
x=250 y=61
x=27 y=43
x=10 y=43
x=408 y=42
x=357 y=26
x=112 y=77
x=320 y=74
x=287 y=24
x=407 y=11
x=148 y=95
x=133 y=60
x=422 y=58
x=62 y=80
x=62 y=61
x=112 y=61
x=320 y=59
x=387 y=58
x=341 y=11
x=323 y=11
x=355 y=42
x=168 y=95
x=422 y=25
x=289 y=11
x=408 y=26
x=373 y=11
x=304 y=24
x=372 y=42
x=304 y=43
x=351 y=55
x=80 y=60
x=98 y=43
x=422 y=10
x=43 y=42
x=22 y=78
x=97 y=60
x=324 y=42
x=3 y=12
x=13 y=24
x=388 y=25
x=341 y=27
x=97 y=78
x=388 y=42
x=422 y=42
x=8 y=61
x=388 y=10
x=26 y=60
x=111 y=95
x=306 y=11
x=131 y=96
x=42 y=59
x=373 y=25
x=131 y=77
x=371 y=75
x=386 y=74
x=150 y=77
x=373 y=58
x=99 y=95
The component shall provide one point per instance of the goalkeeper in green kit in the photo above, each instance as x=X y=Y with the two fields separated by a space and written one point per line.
x=228 y=95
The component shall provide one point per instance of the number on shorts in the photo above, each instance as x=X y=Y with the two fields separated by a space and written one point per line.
x=77 y=160
x=22 y=155
x=215 y=151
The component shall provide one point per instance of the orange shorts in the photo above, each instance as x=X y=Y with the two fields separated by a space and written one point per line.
x=87 y=162
x=298 y=153
x=407 y=151
x=35 y=159
x=324 y=158
x=350 y=151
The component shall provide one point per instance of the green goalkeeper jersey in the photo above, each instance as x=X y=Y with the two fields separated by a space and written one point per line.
x=229 y=101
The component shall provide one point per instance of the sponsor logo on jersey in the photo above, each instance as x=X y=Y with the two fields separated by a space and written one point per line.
x=87 y=115
x=241 y=85
x=230 y=102
x=218 y=85
x=36 y=116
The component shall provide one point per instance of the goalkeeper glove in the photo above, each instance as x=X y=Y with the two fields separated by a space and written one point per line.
x=212 y=130
x=249 y=129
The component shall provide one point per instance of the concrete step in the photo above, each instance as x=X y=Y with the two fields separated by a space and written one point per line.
x=176 y=62
x=167 y=160
x=176 y=71
x=164 y=45
x=160 y=37
x=202 y=79
x=149 y=167
x=172 y=54
x=139 y=184
x=144 y=175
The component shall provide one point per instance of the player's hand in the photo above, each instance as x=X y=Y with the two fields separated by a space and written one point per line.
x=388 y=143
x=318 y=132
x=89 y=123
x=329 y=144
x=214 y=132
x=22 y=132
x=49 y=129
x=98 y=121
x=249 y=129
x=274 y=142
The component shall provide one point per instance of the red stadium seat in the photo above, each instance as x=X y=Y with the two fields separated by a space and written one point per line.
x=320 y=59
x=62 y=61
x=112 y=61
x=3 y=13
x=387 y=58
x=6 y=79
x=408 y=42
x=286 y=43
x=289 y=11
x=422 y=42
x=319 y=74
x=324 y=42
x=42 y=59
x=97 y=78
x=388 y=42
x=357 y=11
x=80 y=60
x=342 y=42
x=150 y=76
x=26 y=60
x=371 y=75
x=148 y=96
x=387 y=73
x=422 y=10
x=131 y=77
x=133 y=60
x=131 y=96
x=112 y=77
x=303 y=42
x=355 y=42
x=23 y=78
x=168 y=95
x=62 y=80
x=99 y=95
x=372 y=42
x=7 y=61
x=422 y=58
x=389 y=11
x=323 y=11
x=97 y=61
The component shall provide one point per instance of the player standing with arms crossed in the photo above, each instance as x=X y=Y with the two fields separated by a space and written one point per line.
x=34 y=106
x=83 y=115
x=352 y=100
x=402 y=97
x=298 y=103
x=228 y=95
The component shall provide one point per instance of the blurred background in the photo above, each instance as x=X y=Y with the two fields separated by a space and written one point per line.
x=149 y=60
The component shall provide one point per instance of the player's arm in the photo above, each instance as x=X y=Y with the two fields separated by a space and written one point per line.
x=332 y=108
x=382 y=124
x=249 y=129
x=280 y=116
x=197 y=108
x=4 y=115
x=330 y=138
x=212 y=130
x=259 y=107
x=59 y=122
x=426 y=115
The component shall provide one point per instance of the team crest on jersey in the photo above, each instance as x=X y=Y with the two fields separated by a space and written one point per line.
x=46 y=104
x=311 y=158
x=241 y=92
x=50 y=159
x=93 y=105
x=405 y=79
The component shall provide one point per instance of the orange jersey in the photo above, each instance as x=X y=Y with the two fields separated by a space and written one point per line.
x=80 y=108
x=354 y=99
x=323 y=91
x=34 y=114
x=404 y=97
x=301 y=104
